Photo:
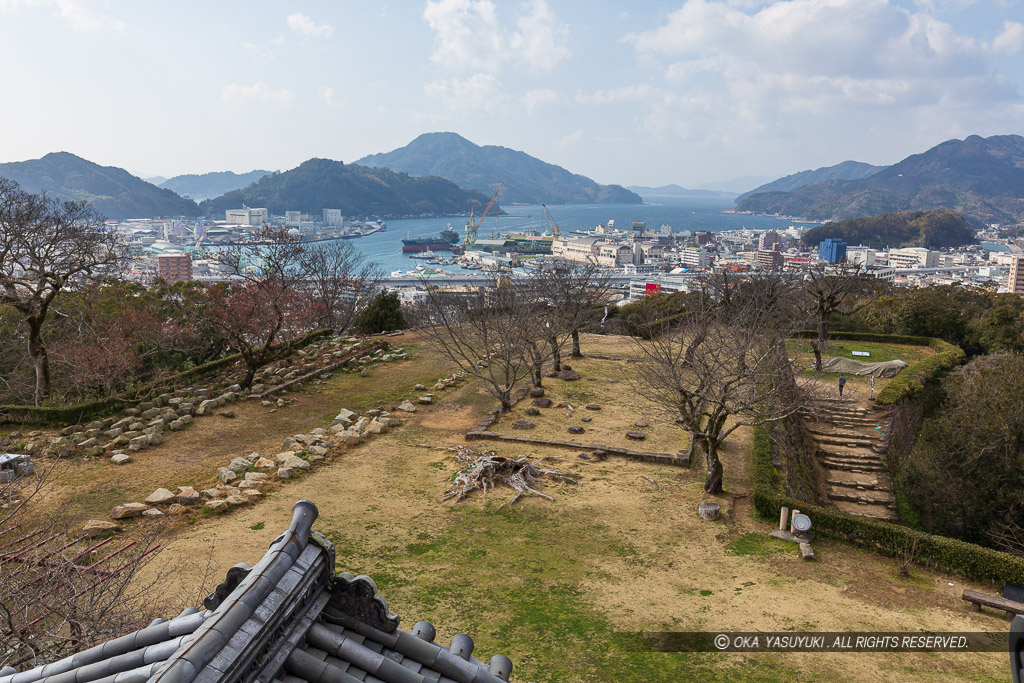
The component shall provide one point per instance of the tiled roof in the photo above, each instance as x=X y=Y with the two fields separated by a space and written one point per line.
x=289 y=619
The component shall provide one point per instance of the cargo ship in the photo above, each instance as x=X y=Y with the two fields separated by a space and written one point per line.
x=443 y=242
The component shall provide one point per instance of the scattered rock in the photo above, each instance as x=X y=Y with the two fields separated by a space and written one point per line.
x=586 y=419
x=407 y=407
x=593 y=406
x=120 y=458
x=585 y=456
x=536 y=392
x=216 y=506
x=641 y=424
x=533 y=412
x=568 y=376
x=264 y=463
x=523 y=424
x=99 y=527
x=426 y=399
x=284 y=473
x=419 y=387
x=239 y=465
x=226 y=475
x=636 y=436
x=152 y=512
x=542 y=402
x=188 y=496
x=575 y=429
x=159 y=496
x=227 y=413
x=128 y=510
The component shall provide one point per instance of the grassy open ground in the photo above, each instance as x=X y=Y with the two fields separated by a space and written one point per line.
x=856 y=386
x=552 y=583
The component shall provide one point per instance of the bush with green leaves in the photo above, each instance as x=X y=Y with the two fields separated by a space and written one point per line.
x=383 y=314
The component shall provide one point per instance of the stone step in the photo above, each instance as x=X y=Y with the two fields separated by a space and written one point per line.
x=849 y=443
x=859 y=454
x=862 y=498
x=848 y=467
x=846 y=435
x=859 y=485
x=878 y=512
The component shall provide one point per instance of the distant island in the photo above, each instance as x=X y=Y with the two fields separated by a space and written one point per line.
x=935 y=229
x=528 y=180
x=210 y=185
x=114 y=192
x=676 y=191
x=980 y=178
x=320 y=184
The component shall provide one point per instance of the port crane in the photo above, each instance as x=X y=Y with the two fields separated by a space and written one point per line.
x=471 y=227
x=554 y=226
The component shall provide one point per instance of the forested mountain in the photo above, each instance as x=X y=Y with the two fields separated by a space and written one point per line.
x=936 y=229
x=320 y=184
x=114 y=192
x=527 y=179
x=209 y=185
x=980 y=178
x=847 y=170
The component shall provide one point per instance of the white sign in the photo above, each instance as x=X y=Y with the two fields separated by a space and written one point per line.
x=860 y=353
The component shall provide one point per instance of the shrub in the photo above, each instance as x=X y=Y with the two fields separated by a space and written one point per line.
x=912 y=379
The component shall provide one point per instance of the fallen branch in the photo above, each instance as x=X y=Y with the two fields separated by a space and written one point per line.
x=484 y=470
x=651 y=480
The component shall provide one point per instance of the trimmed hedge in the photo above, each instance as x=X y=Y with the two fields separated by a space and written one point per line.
x=912 y=379
x=950 y=554
x=83 y=412
x=869 y=337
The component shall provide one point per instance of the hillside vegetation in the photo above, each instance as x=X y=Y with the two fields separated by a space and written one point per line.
x=847 y=170
x=937 y=229
x=114 y=192
x=320 y=184
x=527 y=179
x=980 y=178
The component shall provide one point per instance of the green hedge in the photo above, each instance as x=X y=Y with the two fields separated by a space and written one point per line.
x=912 y=379
x=869 y=337
x=83 y=412
x=949 y=554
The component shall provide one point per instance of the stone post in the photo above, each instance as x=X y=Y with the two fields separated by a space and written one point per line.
x=783 y=516
x=795 y=513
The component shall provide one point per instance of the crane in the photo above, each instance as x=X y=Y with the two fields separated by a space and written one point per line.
x=554 y=226
x=472 y=228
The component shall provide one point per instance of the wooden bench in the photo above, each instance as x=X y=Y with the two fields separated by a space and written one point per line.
x=977 y=600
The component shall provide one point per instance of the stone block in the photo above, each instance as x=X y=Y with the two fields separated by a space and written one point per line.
x=128 y=510
x=159 y=497
x=226 y=475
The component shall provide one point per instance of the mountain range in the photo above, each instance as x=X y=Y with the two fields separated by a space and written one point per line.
x=114 y=192
x=210 y=185
x=980 y=178
x=847 y=170
x=320 y=184
x=527 y=179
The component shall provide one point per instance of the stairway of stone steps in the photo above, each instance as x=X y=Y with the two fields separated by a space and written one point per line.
x=851 y=454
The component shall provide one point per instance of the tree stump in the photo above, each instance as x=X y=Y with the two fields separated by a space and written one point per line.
x=708 y=511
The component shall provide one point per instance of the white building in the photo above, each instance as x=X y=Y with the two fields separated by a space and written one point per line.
x=292 y=219
x=246 y=216
x=576 y=248
x=913 y=257
x=861 y=256
x=693 y=257
x=333 y=217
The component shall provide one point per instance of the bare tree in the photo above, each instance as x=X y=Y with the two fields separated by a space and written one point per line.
x=575 y=290
x=834 y=289
x=46 y=246
x=487 y=332
x=721 y=364
x=340 y=282
x=263 y=305
x=62 y=591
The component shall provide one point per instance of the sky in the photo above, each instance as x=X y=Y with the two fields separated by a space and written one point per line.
x=639 y=93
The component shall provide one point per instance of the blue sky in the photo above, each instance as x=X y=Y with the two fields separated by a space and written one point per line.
x=633 y=93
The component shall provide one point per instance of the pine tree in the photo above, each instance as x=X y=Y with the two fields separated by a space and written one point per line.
x=382 y=315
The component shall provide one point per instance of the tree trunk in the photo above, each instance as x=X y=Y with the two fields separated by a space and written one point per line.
x=822 y=331
x=538 y=366
x=576 y=352
x=250 y=373
x=505 y=398
x=817 y=355
x=556 y=354
x=713 y=482
x=40 y=359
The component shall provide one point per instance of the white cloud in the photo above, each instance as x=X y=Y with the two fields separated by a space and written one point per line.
x=629 y=93
x=823 y=55
x=257 y=93
x=536 y=99
x=468 y=35
x=307 y=28
x=479 y=91
x=1011 y=40
x=85 y=16
x=326 y=93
